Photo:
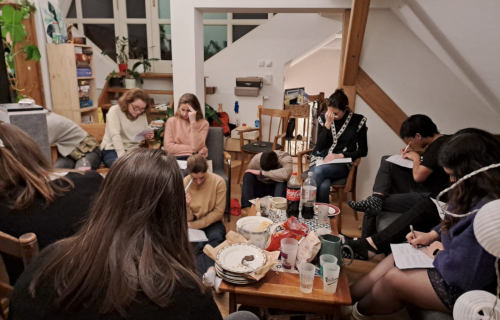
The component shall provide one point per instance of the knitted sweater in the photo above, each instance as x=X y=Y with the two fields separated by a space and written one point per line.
x=208 y=201
x=279 y=175
x=121 y=131
x=64 y=133
x=183 y=138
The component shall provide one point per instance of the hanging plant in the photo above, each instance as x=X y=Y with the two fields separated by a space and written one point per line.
x=14 y=33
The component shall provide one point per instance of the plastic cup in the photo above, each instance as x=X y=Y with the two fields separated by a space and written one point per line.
x=330 y=277
x=289 y=247
x=306 y=277
x=326 y=258
x=323 y=214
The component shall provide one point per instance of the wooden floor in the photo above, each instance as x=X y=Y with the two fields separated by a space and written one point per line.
x=350 y=227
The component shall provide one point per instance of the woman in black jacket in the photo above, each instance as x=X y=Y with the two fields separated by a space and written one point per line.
x=341 y=134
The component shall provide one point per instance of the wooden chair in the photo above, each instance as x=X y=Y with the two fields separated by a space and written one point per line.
x=26 y=248
x=273 y=136
x=300 y=114
x=340 y=187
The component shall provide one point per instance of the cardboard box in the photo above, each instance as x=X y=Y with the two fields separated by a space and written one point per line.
x=246 y=91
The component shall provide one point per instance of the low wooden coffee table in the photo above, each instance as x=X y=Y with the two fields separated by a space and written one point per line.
x=281 y=290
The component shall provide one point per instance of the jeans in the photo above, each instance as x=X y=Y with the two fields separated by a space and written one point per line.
x=325 y=175
x=253 y=188
x=108 y=157
x=216 y=234
x=93 y=157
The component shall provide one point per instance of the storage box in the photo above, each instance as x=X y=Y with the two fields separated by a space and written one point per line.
x=246 y=91
x=251 y=82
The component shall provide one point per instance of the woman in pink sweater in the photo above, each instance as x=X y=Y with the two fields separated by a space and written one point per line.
x=186 y=132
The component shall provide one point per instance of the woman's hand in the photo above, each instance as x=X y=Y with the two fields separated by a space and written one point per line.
x=188 y=199
x=422 y=238
x=433 y=249
x=203 y=152
x=333 y=156
x=329 y=117
x=412 y=155
x=149 y=135
x=192 y=115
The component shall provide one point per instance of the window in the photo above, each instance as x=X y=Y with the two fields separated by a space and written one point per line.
x=146 y=24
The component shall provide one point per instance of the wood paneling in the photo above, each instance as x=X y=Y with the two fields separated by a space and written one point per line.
x=357 y=25
x=379 y=101
x=29 y=74
x=345 y=32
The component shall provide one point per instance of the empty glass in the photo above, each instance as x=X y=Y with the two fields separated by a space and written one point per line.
x=288 y=250
x=306 y=277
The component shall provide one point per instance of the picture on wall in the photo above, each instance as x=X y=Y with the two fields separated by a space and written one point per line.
x=55 y=28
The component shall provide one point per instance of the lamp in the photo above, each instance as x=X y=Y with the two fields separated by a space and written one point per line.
x=476 y=305
x=487 y=227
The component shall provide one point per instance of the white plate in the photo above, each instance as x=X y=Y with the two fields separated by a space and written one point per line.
x=332 y=210
x=231 y=258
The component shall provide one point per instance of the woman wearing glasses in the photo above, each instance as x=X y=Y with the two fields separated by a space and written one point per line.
x=123 y=122
x=186 y=132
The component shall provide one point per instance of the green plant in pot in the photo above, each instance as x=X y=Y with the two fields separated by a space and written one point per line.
x=122 y=45
x=131 y=77
x=115 y=79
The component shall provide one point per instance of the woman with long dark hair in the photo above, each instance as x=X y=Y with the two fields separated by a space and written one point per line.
x=186 y=132
x=461 y=264
x=35 y=197
x=131 y=258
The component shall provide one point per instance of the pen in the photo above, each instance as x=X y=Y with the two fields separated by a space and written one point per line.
x=187 y=187
x=406 y=148
x=412 y=231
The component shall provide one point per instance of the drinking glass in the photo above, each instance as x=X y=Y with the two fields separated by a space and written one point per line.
x=306 y=277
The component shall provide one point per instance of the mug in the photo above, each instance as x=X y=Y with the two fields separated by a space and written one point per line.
x=333 y=245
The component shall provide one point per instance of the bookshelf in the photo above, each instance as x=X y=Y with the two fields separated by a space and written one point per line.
x=73 y=91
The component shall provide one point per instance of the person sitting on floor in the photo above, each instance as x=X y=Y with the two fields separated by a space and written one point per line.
x=341 y=134
x=186 y=132
x=130 y=260
x=461 y=264
x=35 y=197
x=396 y=188
x=73 y=143
x=124 y=122
x=267 y=175
x=206 y=202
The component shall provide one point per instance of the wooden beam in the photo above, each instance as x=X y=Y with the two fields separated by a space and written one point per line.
x=345 y=31
x=350 y=92
x=379 y=101
x=357 y=26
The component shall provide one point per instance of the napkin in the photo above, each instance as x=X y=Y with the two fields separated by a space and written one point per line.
x=232 y=238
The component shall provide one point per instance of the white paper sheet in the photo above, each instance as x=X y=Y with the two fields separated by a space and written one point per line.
x=140 y=135
x=408 y=257
x=341 y=160
x=400 y=161
x=197 y=235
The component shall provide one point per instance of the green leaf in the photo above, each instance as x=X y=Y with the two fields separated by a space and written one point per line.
x=32 y=52
x=11 y=23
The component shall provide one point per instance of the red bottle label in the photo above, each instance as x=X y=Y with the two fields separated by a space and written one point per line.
x=293 y=194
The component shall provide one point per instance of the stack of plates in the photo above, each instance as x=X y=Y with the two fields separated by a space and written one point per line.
x=236 y=260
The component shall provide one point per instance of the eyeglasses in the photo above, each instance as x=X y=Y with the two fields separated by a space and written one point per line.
x=137 y=109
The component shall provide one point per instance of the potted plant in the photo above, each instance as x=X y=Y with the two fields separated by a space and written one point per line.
x=115 y=79
x=131 y=77
x=144 y=64
x=122 y=45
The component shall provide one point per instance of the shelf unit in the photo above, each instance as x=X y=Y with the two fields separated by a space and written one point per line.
x=64 y=83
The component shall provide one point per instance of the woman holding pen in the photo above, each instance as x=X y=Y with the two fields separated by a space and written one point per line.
x=341 y=134
x=460 y=263
x=186 y=132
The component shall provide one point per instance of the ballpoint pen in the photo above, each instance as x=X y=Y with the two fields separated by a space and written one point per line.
x=187 y=187
x=406 y=148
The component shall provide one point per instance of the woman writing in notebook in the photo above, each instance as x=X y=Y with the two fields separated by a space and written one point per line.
x=186 y=132
x=341 y=134
x=461 y=264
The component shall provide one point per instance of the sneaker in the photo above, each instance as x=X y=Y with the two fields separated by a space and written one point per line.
x=372 y=203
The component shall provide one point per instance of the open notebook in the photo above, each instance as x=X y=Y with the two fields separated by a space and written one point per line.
x=408 y=257
x=400 y=161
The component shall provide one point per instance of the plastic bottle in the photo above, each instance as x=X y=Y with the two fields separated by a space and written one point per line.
x=236 y=111
x=84 y=164
x=308 y=196
x=293 y=196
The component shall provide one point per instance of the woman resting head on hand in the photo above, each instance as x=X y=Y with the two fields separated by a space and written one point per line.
x=186 y=132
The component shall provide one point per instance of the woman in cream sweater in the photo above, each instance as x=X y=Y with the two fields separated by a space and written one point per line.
x=186 y=132
x=123 y=122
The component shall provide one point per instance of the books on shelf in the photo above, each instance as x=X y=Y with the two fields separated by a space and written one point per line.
x=83 y=72
x=86 y=103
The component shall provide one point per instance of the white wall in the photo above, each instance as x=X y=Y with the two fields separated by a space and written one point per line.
x=418 y=82
x=284 y=37
x=317 y=72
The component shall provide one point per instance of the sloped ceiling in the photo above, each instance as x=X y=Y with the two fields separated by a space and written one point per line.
x=465 y=35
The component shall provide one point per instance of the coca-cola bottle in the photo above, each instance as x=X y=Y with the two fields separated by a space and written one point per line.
x=308 y=196
x=293 y=196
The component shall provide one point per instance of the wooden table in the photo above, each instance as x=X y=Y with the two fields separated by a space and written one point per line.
x=281 y=290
